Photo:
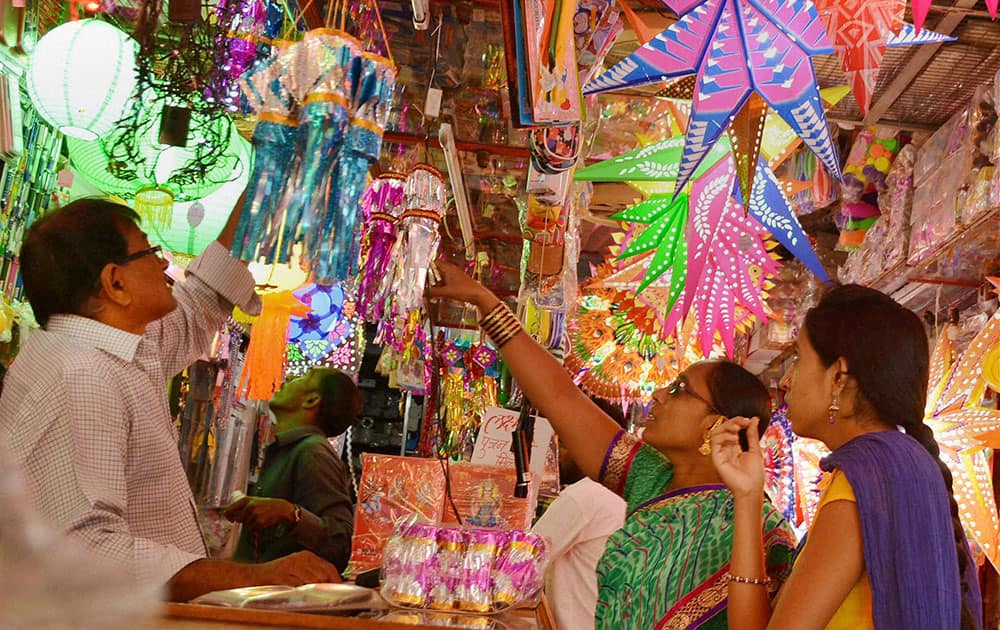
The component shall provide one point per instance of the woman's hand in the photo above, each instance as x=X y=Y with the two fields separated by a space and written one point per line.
x=455 y=285
x=742 y=472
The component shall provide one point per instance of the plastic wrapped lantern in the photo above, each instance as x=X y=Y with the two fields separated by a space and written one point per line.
x=81 y=76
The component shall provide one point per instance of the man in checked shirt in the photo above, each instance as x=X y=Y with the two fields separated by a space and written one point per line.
x=84 y=408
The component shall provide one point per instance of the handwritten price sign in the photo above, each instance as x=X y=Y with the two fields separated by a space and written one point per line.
x=496 y=434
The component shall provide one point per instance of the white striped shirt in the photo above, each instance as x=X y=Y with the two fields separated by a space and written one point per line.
x=84 y=412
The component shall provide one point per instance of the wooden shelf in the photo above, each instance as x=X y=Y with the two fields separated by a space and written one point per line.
x=932 y=280
x=461 y=145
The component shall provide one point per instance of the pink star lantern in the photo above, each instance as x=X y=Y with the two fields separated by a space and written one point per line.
x=736 y=48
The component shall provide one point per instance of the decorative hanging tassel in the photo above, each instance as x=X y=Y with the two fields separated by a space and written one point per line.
x=264 y=369
x=361 y=147
x=275 y=157
x=381 y=206
x=415 y=249
x=155 y=207
x=327 y=81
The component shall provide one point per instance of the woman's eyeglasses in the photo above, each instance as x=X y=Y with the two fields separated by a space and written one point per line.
x=681 y=385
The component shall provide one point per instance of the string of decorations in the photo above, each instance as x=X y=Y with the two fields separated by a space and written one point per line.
x=177 y=60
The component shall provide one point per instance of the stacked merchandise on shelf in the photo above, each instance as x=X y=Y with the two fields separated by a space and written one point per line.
x=948 y=177
x=936 y=175
x=886 y=242
x=26 y=184
x=29 y=150
x=933 y=193
x=981 y=193
x=865 y=179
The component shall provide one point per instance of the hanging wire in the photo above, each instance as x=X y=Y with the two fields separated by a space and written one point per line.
x=175 y=65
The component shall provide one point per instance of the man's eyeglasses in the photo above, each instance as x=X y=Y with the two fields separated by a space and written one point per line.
x=681 y=385
x=155 y=250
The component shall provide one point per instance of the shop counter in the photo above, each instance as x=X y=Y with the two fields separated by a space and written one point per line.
x=200 y=617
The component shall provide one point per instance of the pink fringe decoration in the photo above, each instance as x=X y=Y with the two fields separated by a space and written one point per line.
x=381 y=207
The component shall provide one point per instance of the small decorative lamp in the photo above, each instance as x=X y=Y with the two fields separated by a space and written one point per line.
x=81 y=76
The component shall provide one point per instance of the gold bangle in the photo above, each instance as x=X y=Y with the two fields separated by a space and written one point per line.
x=499 y=315
x=500 y=325
x=499 y=342
x=500 y=337
x=503 y=327
x=493 y=313
x=739 y=579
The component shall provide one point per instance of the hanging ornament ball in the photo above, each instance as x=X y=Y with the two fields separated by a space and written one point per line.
x=195 y=214
x=81 y=76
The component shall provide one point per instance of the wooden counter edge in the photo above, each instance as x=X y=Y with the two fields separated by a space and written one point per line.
x=302 y=620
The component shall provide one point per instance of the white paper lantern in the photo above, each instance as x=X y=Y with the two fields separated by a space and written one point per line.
x=81 y=76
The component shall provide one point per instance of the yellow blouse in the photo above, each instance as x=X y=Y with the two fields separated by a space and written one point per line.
x=855 y=612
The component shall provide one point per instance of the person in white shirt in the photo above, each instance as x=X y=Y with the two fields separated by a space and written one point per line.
x=84 y=407
x=577 y=526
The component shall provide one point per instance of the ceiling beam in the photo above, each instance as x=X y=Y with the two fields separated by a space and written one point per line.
x=923 y=55
x=902 y=125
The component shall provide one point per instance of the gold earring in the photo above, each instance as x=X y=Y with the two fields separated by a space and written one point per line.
x=706 y=445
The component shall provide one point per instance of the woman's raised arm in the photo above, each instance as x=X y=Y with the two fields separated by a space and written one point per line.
x=583 y=428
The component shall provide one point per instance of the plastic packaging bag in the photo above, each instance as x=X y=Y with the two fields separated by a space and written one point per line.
x=444 y=567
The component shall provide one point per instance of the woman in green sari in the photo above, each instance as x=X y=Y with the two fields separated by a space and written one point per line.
x=668 y=566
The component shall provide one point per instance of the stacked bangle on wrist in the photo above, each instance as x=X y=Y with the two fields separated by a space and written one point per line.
x=500 y=325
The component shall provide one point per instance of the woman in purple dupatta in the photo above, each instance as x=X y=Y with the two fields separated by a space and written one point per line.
x=886 y=549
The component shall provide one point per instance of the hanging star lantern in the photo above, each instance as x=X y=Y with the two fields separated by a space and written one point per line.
x=768 y=203
x=965 y=430
x=719 y=264
x=921 y=7
x=655 y=166
x=736 y=48
x=736 y=274
x=860 y=31
x=708 y=239
x=777 y=143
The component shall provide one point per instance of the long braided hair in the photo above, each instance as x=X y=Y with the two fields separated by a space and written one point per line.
x=886 y=349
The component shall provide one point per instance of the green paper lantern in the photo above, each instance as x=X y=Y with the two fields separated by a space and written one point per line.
x=195 y=224
x=160 y=162
x=666 y=235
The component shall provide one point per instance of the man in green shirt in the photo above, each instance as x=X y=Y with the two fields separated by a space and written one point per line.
x=302 y=499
